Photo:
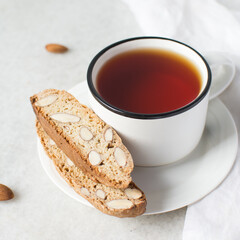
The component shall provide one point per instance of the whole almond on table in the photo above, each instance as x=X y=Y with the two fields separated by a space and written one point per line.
x=56 y=48
x=5 y=193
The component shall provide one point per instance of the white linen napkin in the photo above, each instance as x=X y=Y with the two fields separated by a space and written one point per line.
x=207 y=25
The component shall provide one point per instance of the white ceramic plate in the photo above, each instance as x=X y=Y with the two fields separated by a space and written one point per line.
x=177 y=185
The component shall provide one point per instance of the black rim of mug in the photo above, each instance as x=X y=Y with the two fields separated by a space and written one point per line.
x=142 y=115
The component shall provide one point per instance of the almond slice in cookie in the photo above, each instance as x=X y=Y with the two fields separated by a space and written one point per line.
x=120 y=204
x=94 y=158
x=85 y=191
x=108 y=135
x=120 y=157
x=85 y=134
x=46 y=101
x=65 y=117
x=133 y=193
x=101 y=194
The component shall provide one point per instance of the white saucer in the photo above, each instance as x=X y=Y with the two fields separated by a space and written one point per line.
x=177 y=185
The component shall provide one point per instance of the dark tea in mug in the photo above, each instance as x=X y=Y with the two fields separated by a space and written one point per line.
x=148 y=81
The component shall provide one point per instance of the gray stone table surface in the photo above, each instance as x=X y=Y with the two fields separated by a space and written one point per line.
x=40 y=210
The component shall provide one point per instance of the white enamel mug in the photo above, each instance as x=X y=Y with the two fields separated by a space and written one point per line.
x=154 y=139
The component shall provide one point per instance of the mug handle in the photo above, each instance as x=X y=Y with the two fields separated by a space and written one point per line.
x=223 y=71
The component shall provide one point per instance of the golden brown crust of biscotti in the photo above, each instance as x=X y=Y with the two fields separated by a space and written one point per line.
x=78 y=180
x=64 y=135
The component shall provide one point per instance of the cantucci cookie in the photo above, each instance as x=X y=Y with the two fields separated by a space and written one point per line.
x=90 y=143
x=128 y=202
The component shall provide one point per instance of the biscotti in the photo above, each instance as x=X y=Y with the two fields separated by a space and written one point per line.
x=129 y=202
x=90 y=143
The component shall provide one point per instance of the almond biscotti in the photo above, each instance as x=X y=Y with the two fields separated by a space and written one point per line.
x=128 y=202
x=90 y=143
